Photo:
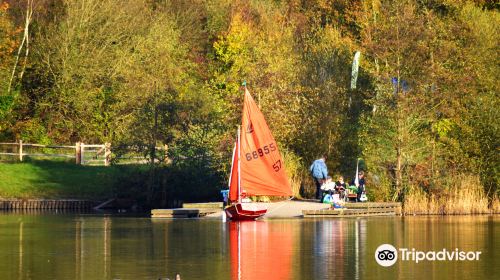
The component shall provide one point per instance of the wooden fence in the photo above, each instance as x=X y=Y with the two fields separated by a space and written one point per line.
x=100 y=154
x=84 y=154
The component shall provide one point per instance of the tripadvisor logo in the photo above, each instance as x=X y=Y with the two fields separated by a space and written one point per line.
x=387 y=255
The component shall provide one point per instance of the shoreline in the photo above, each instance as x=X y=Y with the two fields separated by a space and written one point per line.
x=276 y=210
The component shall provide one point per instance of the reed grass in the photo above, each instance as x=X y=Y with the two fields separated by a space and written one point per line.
x=293 y=167
x=466 y=197
x=416 y=202
x=495 y=205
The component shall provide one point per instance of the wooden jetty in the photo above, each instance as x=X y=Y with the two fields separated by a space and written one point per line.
x=358 y=209
x=286 y=209
x=204 y=205
x=188 y=210
x=45 y=204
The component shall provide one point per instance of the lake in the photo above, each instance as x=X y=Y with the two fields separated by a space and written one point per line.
x=88 y=246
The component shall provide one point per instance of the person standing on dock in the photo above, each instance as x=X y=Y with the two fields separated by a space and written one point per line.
x=360 y=184
x=319 y=172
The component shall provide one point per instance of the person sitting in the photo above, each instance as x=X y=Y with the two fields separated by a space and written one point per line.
x=337 y=202
x=340 y=186
x=328 y=197
x=328 y=185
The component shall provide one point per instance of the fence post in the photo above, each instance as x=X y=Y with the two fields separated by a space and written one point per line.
x=107 y=153
x=20 y=150
x=78 y=153
x=82 y=153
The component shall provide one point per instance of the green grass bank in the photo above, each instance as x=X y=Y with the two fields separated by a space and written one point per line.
x=162 y=186
x=53 y=179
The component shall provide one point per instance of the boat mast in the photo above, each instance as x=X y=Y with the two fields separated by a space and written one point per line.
x=239 y=166
x=232 y=163
x=239 y=152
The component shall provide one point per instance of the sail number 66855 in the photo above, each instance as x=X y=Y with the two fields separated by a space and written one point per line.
x=260 y=152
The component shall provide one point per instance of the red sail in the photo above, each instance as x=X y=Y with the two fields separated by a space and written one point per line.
x=262 y=170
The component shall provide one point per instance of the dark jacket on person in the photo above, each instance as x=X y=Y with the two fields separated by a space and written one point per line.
x=361 y=187
x=339 y=185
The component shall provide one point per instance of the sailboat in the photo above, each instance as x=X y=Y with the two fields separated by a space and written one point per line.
x=257 y=166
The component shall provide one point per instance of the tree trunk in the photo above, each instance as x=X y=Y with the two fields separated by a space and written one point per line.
x=29 y=15
x=152 y=148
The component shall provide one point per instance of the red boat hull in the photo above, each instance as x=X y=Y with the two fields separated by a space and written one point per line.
x=245 y=211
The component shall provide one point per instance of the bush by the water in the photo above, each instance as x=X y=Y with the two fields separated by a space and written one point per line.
x=168 y=186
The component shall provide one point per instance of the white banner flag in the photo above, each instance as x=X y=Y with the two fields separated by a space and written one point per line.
x=355 y=68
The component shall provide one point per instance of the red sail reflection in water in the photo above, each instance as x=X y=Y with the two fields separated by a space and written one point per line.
x=260 y=250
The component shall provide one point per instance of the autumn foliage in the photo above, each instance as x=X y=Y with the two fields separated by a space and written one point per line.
x=152 y=73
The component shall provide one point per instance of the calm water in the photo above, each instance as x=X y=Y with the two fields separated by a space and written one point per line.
x=104 y=247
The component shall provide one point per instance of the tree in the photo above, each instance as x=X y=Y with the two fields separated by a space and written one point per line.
x=396 y=136
x=8 y=44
